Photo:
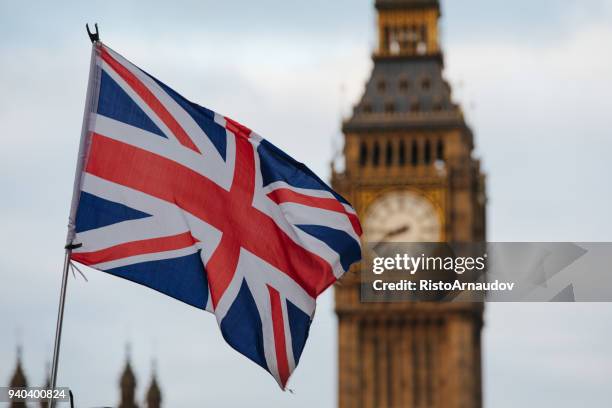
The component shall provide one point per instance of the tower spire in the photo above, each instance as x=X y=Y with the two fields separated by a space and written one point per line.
x=153 y=393
x=127 y=382
x=18 y=379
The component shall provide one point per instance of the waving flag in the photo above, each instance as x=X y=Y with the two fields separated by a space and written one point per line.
x=190 y=203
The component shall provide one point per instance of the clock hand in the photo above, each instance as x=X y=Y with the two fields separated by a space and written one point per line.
x=395 y=232
x=390 y=234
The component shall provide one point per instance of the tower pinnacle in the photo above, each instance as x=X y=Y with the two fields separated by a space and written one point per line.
x=128 y=384
x=18 y=379
x=154 y=393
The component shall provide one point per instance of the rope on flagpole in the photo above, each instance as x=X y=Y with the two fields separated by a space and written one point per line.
x=73 y=266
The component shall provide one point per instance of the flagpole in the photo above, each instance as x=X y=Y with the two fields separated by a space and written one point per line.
x=60 y=321
x=90 y=103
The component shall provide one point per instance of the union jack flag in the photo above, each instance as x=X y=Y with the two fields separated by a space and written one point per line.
x=188 y=202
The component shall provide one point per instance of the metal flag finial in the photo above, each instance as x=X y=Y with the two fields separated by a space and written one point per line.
x=95 y=36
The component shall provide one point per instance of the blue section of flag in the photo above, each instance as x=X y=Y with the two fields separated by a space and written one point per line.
x=340 y=241
x=182 y=278
x=299 y=324
x=205 y=118
x=277 y=165
x=241 y=327
x=114 y=103
x=95 y=212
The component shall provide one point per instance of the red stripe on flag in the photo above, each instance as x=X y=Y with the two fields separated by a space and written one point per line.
x=237 y=128
x=145 y=246
x=285 y=195
x=222 y=263
x=151 y=100
x=280 y=344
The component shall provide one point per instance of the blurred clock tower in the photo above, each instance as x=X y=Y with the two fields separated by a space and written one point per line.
x=411 y=175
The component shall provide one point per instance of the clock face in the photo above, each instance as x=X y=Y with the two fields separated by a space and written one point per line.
x=402 y=216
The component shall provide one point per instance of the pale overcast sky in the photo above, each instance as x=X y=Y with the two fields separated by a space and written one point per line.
x=534 y=77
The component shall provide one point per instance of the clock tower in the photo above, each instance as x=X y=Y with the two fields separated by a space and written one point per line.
x=411 y=175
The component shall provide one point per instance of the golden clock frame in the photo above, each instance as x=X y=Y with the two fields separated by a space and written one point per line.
x=436 y=194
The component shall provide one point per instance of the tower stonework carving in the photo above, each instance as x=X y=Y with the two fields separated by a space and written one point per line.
x=410 y=174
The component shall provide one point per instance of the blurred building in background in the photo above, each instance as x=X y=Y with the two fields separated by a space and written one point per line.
x=19 y=380
x=127 y=387
x=127 y=384
x=410 y=174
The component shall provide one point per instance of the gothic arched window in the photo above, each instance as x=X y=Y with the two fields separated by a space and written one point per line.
x=402 y=153
x=389 y=154
x=363 y=154
x=376 y=154
x=414 y=153
x=440 y=150
x=427 y=153
x=426 y=83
